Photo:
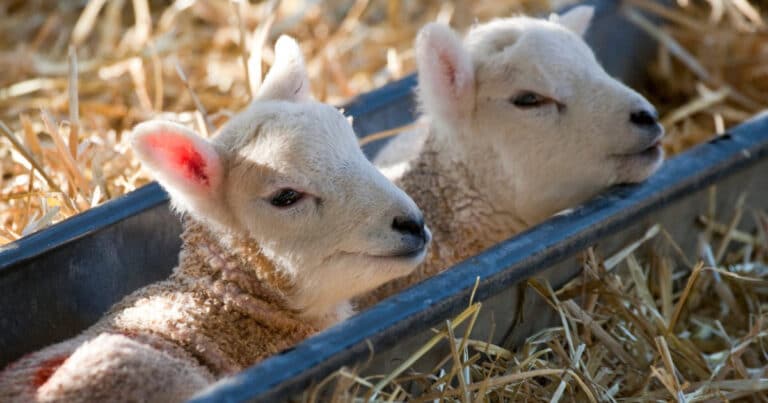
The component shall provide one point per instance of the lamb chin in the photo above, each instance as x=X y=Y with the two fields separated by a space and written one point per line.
x=649 y=156
x=640 y=166
x=405 y=264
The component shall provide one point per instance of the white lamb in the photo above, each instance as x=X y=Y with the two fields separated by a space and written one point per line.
x=285 y=221
x=523 y=122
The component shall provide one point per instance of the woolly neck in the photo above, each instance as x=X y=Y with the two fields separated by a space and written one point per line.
x=235 y=263
x=459 y=206
x=227 y=253
x=236 y=271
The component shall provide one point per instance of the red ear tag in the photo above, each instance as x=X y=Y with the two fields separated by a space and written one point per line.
x=181 y=154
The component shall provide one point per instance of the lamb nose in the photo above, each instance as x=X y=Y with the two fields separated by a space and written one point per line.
x=409 y=226
x=644 y=117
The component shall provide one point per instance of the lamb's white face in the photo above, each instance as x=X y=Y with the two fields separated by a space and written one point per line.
x=304 y=190
x=289 y=172
x=532 y=96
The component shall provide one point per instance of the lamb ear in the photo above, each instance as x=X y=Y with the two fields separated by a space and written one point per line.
x=446 y=75
x=577 y=19
x=186 y=165
x=287 y=79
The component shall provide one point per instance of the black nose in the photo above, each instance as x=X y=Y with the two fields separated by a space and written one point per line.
x=409 y=226
x=644 y=117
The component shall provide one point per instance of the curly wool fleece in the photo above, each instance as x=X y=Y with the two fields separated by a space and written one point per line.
x=222 y=309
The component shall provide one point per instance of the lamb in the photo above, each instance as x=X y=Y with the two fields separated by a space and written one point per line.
x=522 y=122
x=285 y=220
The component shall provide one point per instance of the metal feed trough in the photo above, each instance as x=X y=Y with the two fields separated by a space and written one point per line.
x=58 y=281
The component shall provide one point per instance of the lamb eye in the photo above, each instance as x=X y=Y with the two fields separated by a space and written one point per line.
x=285 y=197
x=529 y=99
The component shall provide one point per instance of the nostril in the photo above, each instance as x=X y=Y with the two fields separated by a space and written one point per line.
x=409 y=226
x=644 y=117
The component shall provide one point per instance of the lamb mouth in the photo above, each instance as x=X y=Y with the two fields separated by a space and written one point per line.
x=411 y=255
x=653 y=151
x=405 y=254
x=397 y=255
x=415 y=251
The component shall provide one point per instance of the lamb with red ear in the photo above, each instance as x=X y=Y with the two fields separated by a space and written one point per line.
x=284 y=221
